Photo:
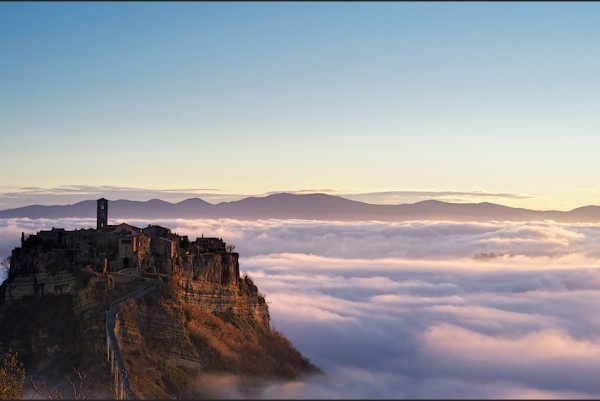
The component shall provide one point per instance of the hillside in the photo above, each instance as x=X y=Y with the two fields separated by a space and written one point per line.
x=69 y=301
x=170 y=345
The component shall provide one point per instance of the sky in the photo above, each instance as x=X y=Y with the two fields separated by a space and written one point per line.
x=388 y=102
x=385 y=102
x=416 y=309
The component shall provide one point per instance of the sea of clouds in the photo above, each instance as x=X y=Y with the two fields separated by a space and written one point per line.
x=420 y=309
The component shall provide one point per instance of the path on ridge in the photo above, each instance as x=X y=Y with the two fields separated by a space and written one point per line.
x=111 y=337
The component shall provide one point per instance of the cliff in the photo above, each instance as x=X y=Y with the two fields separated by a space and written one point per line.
x=169 y=344
x=202 y=318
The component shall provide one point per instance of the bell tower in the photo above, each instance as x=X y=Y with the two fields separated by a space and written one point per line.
x=102 y=214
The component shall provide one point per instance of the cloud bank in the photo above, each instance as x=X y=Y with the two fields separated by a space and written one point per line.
x=418 y=309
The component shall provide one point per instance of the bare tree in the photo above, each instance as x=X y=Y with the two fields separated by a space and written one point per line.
x=80 y=386
x=4 y=265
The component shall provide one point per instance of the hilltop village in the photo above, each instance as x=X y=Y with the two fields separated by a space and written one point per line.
x=152 y=251
x=144 y=310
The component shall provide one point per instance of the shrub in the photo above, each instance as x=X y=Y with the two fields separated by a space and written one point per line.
x=12 y=377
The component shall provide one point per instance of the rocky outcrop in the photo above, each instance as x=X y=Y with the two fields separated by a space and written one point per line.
x=252 y=306
x=212 y=282
x=38 y=285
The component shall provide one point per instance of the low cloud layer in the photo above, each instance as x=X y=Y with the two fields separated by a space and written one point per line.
x=418 y=309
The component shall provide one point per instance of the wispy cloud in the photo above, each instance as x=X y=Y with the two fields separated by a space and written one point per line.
x=13 y=196
x=403 y=197
x=400 y=197
x=406 y=310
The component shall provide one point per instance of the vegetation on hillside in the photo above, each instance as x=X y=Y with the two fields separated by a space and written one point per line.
x=12 y=377
x=57 y=335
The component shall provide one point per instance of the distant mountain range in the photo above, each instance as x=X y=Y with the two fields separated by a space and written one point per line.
x=309 y=206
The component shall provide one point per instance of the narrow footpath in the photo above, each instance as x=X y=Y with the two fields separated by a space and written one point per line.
x=122 y=386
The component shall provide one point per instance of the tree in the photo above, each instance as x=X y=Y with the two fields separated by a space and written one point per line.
x=12 y=377
x=80 y=387
x=4 y=265
x=230 y=247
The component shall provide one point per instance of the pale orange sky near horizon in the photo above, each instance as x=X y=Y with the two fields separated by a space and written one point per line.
x=16 y=197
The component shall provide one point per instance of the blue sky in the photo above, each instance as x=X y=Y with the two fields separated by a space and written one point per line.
x=495 y=101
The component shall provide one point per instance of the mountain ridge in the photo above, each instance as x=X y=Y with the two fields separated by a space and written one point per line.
x=314 y=206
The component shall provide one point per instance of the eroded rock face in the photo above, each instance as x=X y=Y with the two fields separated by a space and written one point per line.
x=158 y=327
x=38 y=285
x=219 y=268
x=212 y=282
